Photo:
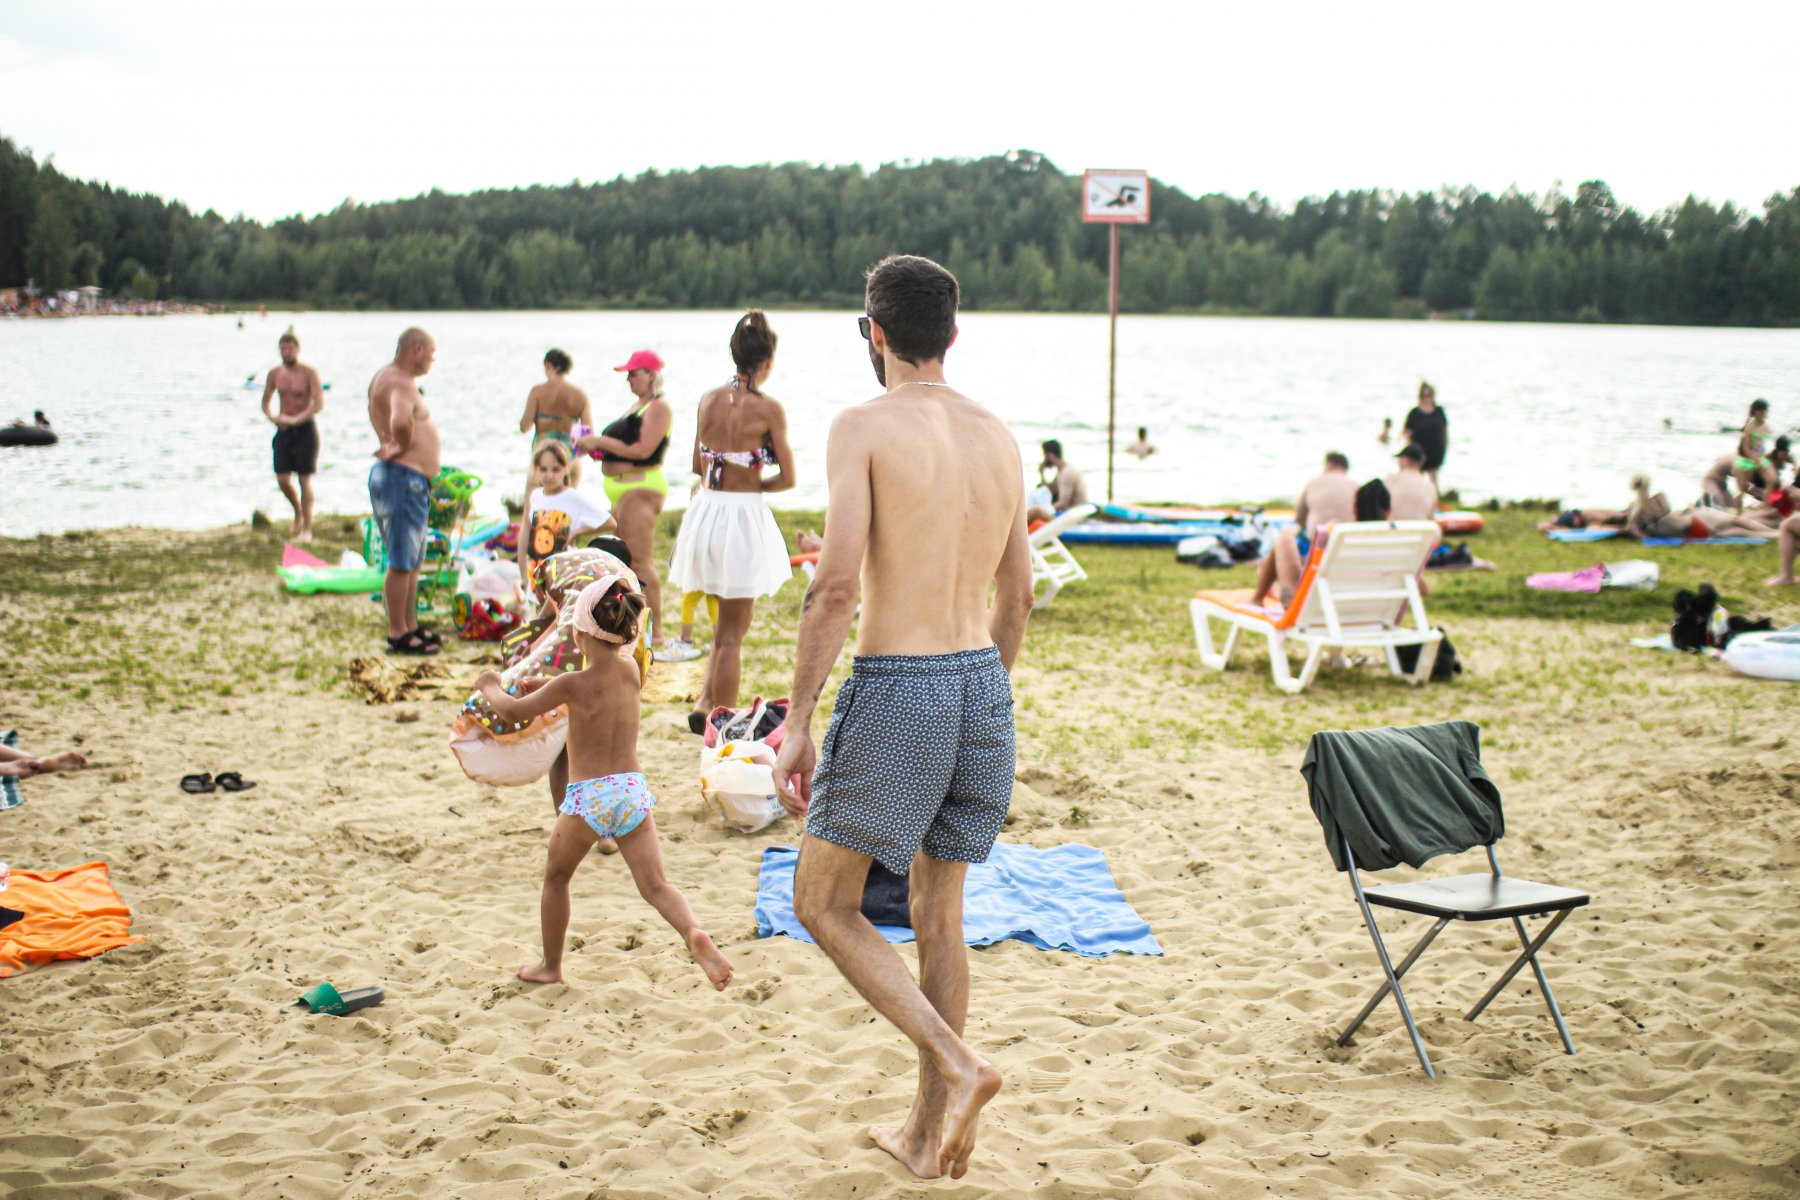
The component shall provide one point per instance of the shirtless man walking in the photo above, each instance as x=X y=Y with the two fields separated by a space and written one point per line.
x=400 y=484
x=296 y=442
x=917 y=765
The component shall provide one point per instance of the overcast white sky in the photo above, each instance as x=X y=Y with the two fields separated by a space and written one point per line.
x=272 y=109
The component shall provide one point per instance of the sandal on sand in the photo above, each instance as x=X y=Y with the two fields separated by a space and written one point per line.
x=327 y=999
x=429 y=636
x=231 y=781
x=412 y=642
x=697 y=723
x=197 y=785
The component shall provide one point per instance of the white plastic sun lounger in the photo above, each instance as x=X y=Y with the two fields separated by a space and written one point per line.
x=1051 y=563
x=1360 y=592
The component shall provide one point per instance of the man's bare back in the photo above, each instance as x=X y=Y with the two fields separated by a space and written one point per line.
x=945 y=496
x=402 y=422
x=1413 y=496
x=1327 y=499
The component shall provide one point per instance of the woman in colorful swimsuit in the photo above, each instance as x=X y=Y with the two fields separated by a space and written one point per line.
x=729 y=546
x=631 y=452
x=554 y=406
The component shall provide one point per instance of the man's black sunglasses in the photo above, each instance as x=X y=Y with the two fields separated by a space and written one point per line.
x=862 y=327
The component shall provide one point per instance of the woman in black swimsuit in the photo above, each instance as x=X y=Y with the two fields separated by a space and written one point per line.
x=631 y=453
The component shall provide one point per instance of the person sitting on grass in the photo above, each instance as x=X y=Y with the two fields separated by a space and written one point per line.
x=1415 y=497
x=1280 y=571
x=22 y=764
x=1651 y=517
x=608 y=796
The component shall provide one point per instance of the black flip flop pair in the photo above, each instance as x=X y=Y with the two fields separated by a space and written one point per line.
x=229 y=781
x=420 y=641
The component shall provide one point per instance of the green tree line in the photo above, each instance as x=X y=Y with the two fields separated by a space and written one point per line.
x=1008 y=225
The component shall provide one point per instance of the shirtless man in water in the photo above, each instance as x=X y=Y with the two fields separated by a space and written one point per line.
x=296 y=443
x=400 y=484
x=918 y=772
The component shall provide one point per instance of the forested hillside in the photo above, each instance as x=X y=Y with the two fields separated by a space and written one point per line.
x=1007 y=225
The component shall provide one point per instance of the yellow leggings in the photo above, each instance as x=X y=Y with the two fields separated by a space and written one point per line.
x=690 y=604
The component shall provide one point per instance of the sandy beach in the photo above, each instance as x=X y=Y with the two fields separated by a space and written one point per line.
x=1667 y=786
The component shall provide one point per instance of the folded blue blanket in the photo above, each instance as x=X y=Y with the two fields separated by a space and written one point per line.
x=1062 y=898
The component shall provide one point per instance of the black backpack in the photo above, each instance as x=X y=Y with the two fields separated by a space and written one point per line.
x=1446 y=668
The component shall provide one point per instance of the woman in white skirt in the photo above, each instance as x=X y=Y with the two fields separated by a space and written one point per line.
x=729 y=546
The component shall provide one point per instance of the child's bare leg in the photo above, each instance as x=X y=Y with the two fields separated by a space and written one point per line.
x=569 y=843
x=644 y=856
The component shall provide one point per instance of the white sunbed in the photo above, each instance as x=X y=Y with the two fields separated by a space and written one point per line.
x=1051 y=563
x=1361 y=591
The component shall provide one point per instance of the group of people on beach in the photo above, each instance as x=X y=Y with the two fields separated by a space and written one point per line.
x=1749 y=493
x=941 y=608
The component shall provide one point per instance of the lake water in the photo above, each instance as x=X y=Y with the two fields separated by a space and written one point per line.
x=158 y=428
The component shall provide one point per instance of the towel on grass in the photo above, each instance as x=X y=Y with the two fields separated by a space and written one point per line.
x=1582 y=535
x=1062 y=898
x=10 y=795
x=72 y=913
x=1718 y=541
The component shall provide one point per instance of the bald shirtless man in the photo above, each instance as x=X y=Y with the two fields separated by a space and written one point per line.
x=917 y=768
x=296 y=441
x=400 y=484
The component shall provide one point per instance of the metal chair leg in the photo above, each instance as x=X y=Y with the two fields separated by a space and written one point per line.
x=1529 y=955
x=1393 y=980
x=1399 y=973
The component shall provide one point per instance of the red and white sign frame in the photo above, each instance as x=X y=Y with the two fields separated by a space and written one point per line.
x=1115 y=197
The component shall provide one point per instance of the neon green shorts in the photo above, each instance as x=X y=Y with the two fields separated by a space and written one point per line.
x=617 y=486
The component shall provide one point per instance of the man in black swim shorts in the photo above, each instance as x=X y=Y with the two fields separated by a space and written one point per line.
x=916 y=768
x=296 y=441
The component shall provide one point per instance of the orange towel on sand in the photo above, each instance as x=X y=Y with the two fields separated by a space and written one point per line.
x=72 y=913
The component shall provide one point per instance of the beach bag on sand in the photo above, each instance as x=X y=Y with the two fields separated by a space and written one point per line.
x=737 y=781
x=760 y=721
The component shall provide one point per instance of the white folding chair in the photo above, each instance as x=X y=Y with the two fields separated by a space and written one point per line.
x=1051 y=563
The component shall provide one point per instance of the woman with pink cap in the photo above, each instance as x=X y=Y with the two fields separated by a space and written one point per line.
x=631 y=453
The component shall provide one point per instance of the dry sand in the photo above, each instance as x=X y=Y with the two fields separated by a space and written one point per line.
x=1667 y=787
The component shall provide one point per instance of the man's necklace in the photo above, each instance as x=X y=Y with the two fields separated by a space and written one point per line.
x=924 y=383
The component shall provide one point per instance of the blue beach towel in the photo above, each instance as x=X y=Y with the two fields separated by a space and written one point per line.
x=1062 y=898
x=1721 y=541
x=10 y=796
x=1583 y=535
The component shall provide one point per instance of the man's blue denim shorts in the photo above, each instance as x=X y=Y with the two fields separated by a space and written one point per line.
x=401 y=498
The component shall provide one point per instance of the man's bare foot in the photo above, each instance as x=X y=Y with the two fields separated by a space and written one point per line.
x=920 y=1156
x=303 y=537
x=715 y=964
x=1780 y=581
x=539 y=973
x=607 y=845
x=68 y=760
x=964 y=1097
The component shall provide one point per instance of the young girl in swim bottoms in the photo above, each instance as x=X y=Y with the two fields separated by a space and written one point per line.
x=607 y=795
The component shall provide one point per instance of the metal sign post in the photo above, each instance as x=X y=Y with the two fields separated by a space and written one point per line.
x=1114 y=198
